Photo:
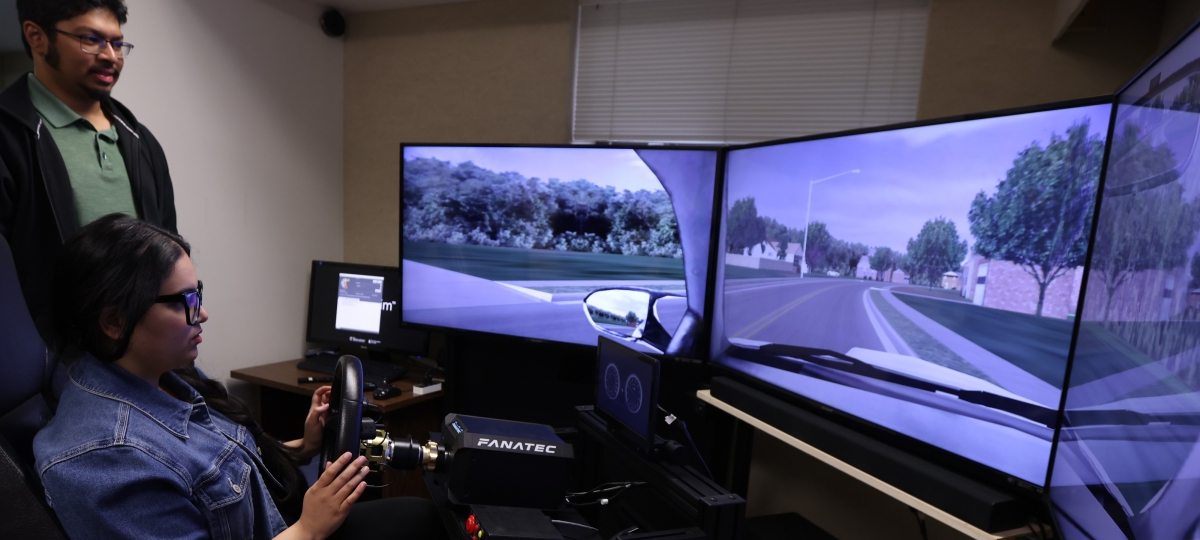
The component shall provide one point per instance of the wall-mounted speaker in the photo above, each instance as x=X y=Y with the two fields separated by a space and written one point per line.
x=333 y=23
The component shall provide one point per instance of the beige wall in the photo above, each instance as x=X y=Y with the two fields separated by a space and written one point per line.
x=246 y=98
x=983 y=55
x=489 y=71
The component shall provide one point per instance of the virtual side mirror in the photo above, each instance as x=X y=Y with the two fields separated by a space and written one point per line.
x=618 y=312
x=636 y=315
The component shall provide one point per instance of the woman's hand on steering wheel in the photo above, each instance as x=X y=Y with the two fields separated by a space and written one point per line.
x=314 y=423
x=328 y=501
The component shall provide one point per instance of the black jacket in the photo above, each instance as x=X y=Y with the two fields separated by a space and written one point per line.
x=37 y=204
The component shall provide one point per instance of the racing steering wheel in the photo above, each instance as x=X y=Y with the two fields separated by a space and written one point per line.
x=347 y=431
x=343 y=428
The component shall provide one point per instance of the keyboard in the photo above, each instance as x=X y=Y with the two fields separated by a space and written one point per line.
x=373 y=370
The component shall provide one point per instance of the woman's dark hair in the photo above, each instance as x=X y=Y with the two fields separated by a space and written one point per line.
x=120 y=262
x=48 y=13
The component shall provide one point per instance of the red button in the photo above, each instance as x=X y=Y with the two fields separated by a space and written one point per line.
x=472 y=525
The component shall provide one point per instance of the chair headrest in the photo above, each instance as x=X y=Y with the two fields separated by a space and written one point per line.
x=22 y=351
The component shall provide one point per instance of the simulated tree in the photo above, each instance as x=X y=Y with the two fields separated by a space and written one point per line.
x=1194 y=284
x=937 y=249
x=745 y=227
x=818 y=247
x=1145 y=230
x=1041 y=214
x=1145 y=223
x=883 y=260
x=467 y=204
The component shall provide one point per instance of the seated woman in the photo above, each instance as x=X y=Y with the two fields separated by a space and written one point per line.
x=144 y=446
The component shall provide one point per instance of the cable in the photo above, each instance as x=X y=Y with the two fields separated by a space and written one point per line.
x=391 y=477
x=603 y=501
x=920 y=523
x=605 y=487
x=1035 y=528
x=671 y=420
x=587 y=530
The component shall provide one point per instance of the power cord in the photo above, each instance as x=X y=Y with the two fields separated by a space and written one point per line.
x=920 y=523
x=674 y=421
x=391 y=476
x=1035 y=529
x=616 y=488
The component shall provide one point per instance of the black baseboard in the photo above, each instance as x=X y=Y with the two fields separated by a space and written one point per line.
x=978 y=504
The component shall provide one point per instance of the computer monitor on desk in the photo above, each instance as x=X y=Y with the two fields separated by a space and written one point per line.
x=354 y=308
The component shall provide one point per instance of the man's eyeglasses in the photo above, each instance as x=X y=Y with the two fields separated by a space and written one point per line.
x=95 y=44
x=191 y=300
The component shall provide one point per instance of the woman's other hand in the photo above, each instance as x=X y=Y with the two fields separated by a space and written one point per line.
x=314 y=424
x=328 y=501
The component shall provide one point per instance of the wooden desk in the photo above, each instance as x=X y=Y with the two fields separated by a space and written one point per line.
x=888 y=489
x=284 y=404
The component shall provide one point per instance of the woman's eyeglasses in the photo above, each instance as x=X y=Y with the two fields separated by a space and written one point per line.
x=191 y=300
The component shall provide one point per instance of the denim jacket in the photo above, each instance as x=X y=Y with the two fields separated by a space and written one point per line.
x=122 y=459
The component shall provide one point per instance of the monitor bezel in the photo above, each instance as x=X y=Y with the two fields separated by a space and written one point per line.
x=704 y=338
x=958 y=463
x=643 y=442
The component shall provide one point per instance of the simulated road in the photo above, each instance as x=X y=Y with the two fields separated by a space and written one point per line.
x=814 y=312
x=455 y=300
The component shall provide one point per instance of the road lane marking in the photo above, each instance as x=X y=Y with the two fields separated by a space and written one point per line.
x=771 y=317
x=883 y=337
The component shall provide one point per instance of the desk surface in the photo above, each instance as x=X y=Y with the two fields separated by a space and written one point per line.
x=888 y=489
x=283 y=375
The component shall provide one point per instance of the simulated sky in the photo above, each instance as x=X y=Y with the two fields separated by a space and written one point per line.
x=906 y=177
x=616 y=167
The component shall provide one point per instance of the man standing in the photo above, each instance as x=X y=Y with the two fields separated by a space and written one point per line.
x=69 y=153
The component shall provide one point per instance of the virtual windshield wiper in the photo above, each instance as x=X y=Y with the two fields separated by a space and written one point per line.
x=835 y=360
x=770 y=355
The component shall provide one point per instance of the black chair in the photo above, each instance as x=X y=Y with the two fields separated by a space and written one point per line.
x=25 y=373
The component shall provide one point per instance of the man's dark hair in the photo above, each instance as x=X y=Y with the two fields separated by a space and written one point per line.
x=48 y=13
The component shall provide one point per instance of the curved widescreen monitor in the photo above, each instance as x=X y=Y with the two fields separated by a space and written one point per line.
x=1127 y=462
x=561 y=244
x=922 y=279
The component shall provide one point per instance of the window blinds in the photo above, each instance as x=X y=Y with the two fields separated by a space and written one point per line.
x=744 y=70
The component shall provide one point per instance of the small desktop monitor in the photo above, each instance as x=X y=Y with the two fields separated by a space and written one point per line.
x=627 y=392
x=355 y=307
x=560 y=243
x=921 y=282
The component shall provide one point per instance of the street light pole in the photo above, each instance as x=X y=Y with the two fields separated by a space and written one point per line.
x=808 y=210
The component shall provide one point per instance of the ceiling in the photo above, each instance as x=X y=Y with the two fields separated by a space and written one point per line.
x=355 y=6
x=10 y=29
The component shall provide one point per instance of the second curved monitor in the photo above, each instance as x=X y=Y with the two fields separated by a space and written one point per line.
x=924 y=280
x=560 y=243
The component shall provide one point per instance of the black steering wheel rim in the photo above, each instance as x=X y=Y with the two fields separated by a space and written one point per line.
x=343 y=426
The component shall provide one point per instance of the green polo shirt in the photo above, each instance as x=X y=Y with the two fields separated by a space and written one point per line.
x=94 y=164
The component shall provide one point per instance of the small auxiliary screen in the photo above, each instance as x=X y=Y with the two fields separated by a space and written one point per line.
x=357 y=306
x=627 y=388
